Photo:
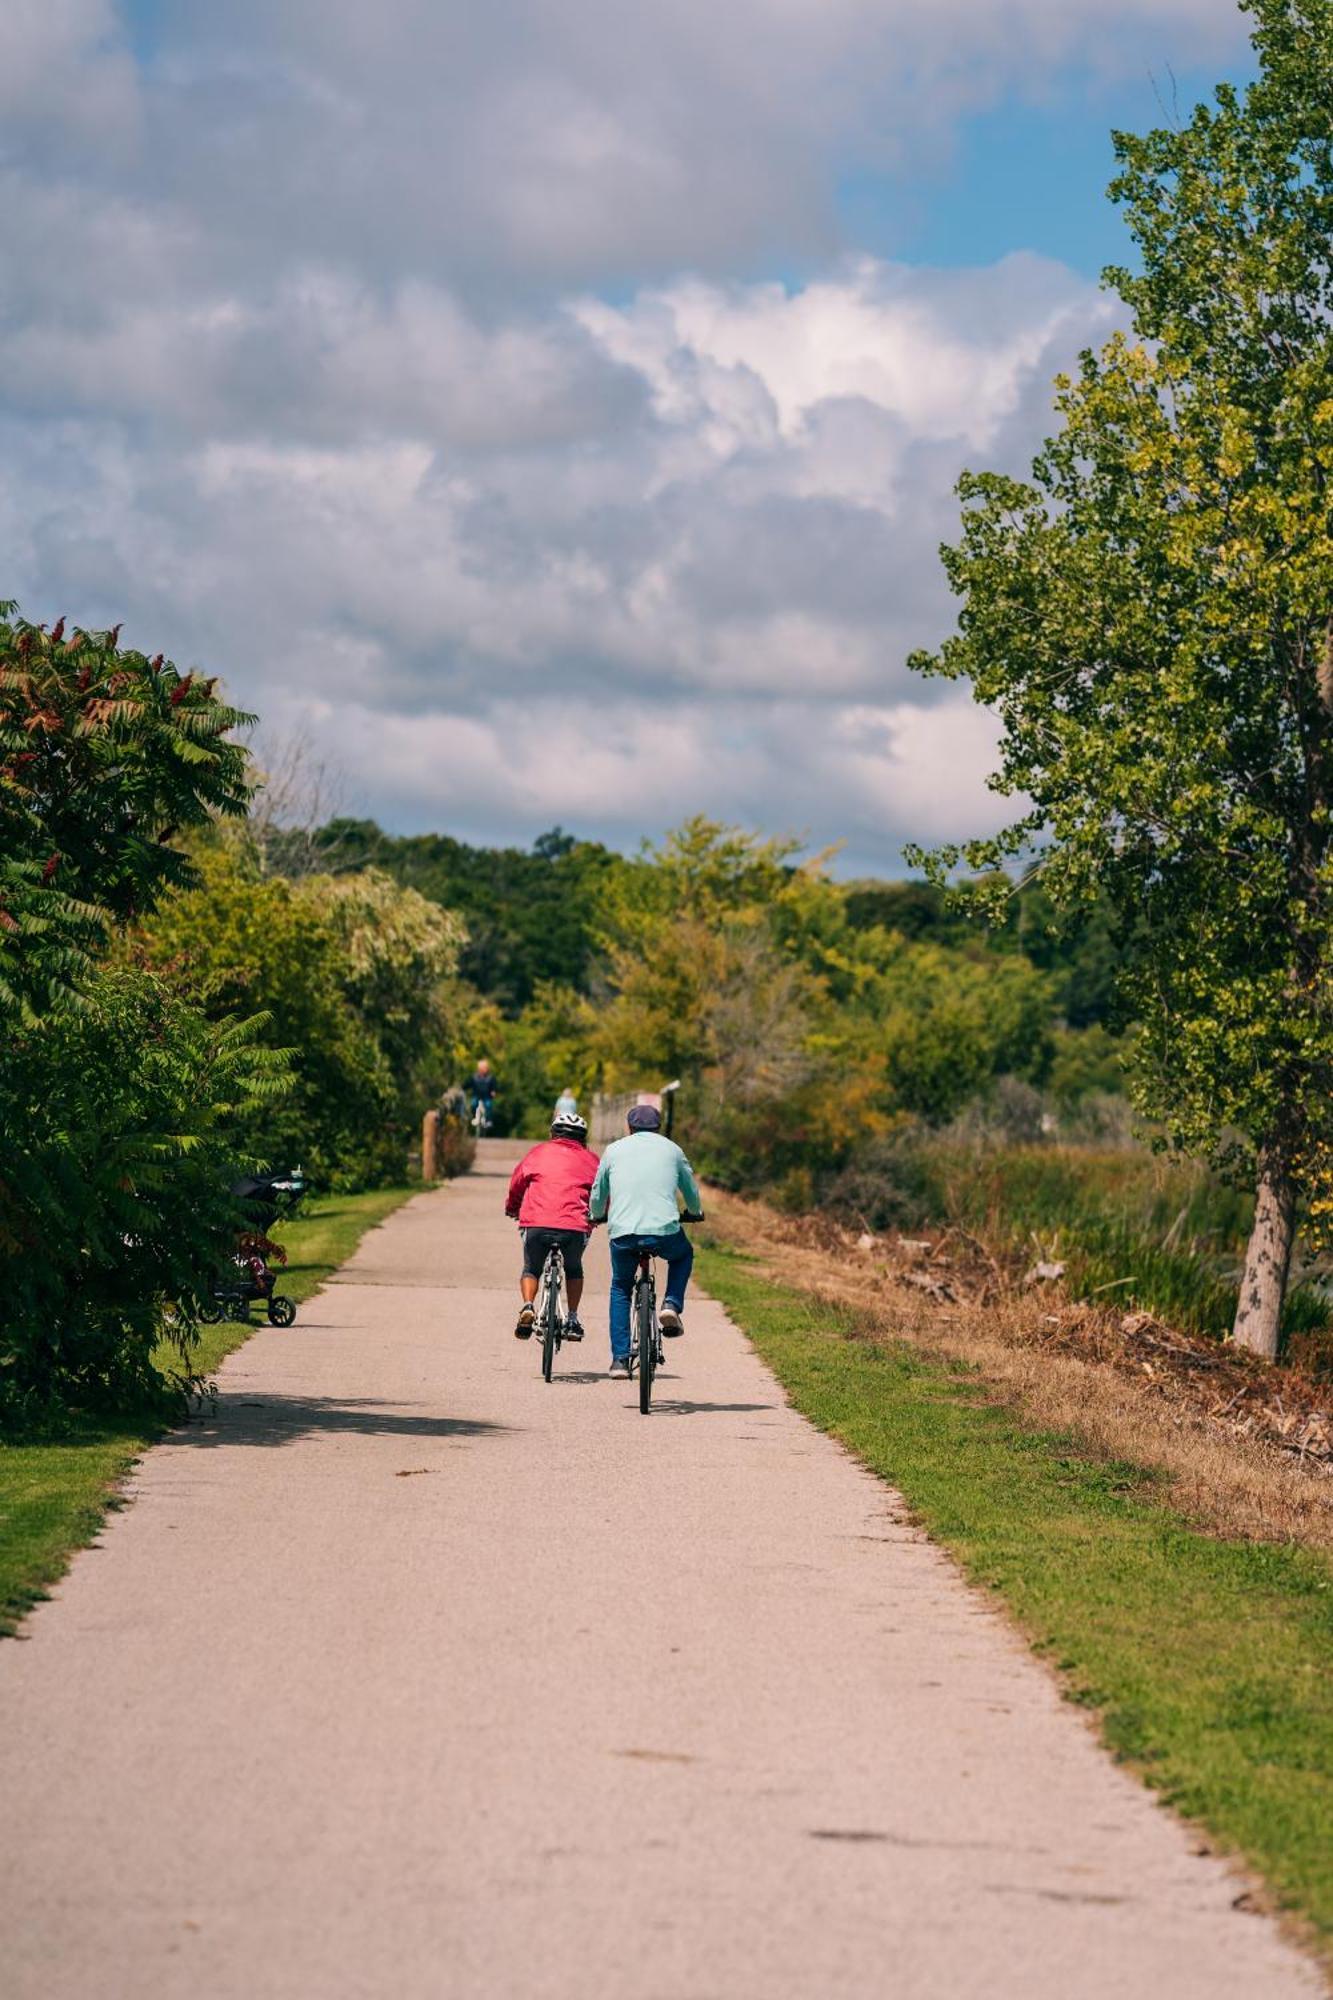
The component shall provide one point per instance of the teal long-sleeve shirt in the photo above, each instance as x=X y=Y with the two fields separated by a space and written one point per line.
x=638 y=1183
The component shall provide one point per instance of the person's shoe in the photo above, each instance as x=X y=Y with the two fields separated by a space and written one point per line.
x=620 y=1366
x=523 y=1331
x=573 y=1327
x=671 y=1323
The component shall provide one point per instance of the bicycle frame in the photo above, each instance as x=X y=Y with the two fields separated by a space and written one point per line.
x=644 y=1360
x=550 y=1315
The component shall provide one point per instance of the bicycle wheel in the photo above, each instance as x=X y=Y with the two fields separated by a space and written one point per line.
x=550 y=1314
x=643 y=1321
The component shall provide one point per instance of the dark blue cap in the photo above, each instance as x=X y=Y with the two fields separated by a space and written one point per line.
x=645 y=1118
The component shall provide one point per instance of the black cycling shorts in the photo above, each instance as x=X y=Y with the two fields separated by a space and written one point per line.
x=537 y=1243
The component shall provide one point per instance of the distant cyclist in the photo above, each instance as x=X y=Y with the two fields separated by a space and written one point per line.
x=548 y=1198
x=638 y=1190
x=481 y=1089
x=567 y=1105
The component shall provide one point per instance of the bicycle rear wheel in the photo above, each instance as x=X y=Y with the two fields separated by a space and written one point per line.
x=550 y=1317
x=647 y=1332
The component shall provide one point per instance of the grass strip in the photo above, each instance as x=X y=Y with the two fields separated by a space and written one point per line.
x=56 y=1490
x=1206 y=1660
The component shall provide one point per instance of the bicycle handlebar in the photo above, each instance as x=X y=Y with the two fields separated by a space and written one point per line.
x=688 y=1215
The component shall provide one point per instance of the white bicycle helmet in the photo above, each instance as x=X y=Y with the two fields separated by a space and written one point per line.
x=570 y=1125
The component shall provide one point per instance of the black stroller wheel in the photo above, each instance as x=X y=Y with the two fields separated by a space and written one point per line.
x=208 y=1311
x=281 y=1311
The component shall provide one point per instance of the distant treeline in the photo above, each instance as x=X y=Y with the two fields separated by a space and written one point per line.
x=805 y=1016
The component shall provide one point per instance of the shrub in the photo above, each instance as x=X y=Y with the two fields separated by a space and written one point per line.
x=104 y=755
x=347 y=975
x=119 y=1146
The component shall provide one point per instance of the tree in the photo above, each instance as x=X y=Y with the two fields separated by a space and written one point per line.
x=121 y=1120
x=122 y=1108
x=399 y=955
x=530 y=917
x=1151 y=615
x=105 y=758
x=349 y=973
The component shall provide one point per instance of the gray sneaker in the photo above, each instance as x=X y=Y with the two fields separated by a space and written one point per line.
x=620 y=1366
x=671 y=1323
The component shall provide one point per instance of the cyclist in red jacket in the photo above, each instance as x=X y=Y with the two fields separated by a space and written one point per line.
x=548 y=1198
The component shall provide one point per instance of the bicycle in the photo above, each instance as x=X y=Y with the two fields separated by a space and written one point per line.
x=645 y=1332
x=549 y=1316
x=645 y=1328
x=481 y=1118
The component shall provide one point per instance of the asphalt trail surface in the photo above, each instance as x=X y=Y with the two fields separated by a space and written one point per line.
x=405 y=1675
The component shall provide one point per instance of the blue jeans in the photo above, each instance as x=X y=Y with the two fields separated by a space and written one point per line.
x=676 y=1251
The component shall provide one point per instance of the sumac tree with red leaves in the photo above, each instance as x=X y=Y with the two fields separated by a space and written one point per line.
x=123 y=1106
x=104 y=756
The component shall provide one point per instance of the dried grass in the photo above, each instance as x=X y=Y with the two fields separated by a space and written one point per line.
x=1244 y=1448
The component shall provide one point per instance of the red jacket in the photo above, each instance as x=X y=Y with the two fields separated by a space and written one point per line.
x=551 y=1184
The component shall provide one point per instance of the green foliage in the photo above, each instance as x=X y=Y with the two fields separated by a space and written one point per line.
x=801 y=1015
x=121 y=1107
x=120 y=1124
x=350 y=974
x=799 y=1027
x=530 y=918
x=951 y=1023
x=104 y=756
x=1090 y=1064
x=1076 y=948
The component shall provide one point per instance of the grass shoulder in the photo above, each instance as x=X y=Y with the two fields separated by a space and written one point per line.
x=1204 y=1657
x=56 y=1488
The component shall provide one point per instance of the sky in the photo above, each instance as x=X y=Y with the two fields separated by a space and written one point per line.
x=551 y=414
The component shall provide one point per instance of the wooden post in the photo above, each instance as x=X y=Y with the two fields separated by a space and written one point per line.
x=430 y=1146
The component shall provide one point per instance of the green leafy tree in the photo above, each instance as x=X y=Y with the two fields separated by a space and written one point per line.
x=121 y=1119
x=950 y=1024
x=353 y=975
x=241 y=947
x=122 y=1109
x=1151 y=615
x=399 y=959
x=531 y=918
x=105 y=757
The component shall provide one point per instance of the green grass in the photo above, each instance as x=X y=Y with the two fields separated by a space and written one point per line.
x=55 y=1490
x=1207 y=1660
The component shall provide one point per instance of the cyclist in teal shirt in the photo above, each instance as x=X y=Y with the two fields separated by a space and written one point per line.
x=638 y=1192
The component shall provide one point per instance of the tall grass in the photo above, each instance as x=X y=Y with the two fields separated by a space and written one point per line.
x=1131 y=1228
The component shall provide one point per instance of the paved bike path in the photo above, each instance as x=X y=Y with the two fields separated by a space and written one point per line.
x=406 y=1675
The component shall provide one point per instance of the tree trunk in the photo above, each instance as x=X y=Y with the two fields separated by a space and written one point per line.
x=1325 y=670
x=1264 y=1284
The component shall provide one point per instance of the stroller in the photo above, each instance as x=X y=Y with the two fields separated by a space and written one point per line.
x=264 y=1197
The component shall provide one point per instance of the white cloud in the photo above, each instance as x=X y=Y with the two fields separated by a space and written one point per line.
x=696 y=530
x=347 y=350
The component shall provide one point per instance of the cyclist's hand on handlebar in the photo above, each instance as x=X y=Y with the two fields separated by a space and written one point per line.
x=691 y=1215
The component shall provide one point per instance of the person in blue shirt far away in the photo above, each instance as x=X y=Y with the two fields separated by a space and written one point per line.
x=566 y=1105
x=638 y=1191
